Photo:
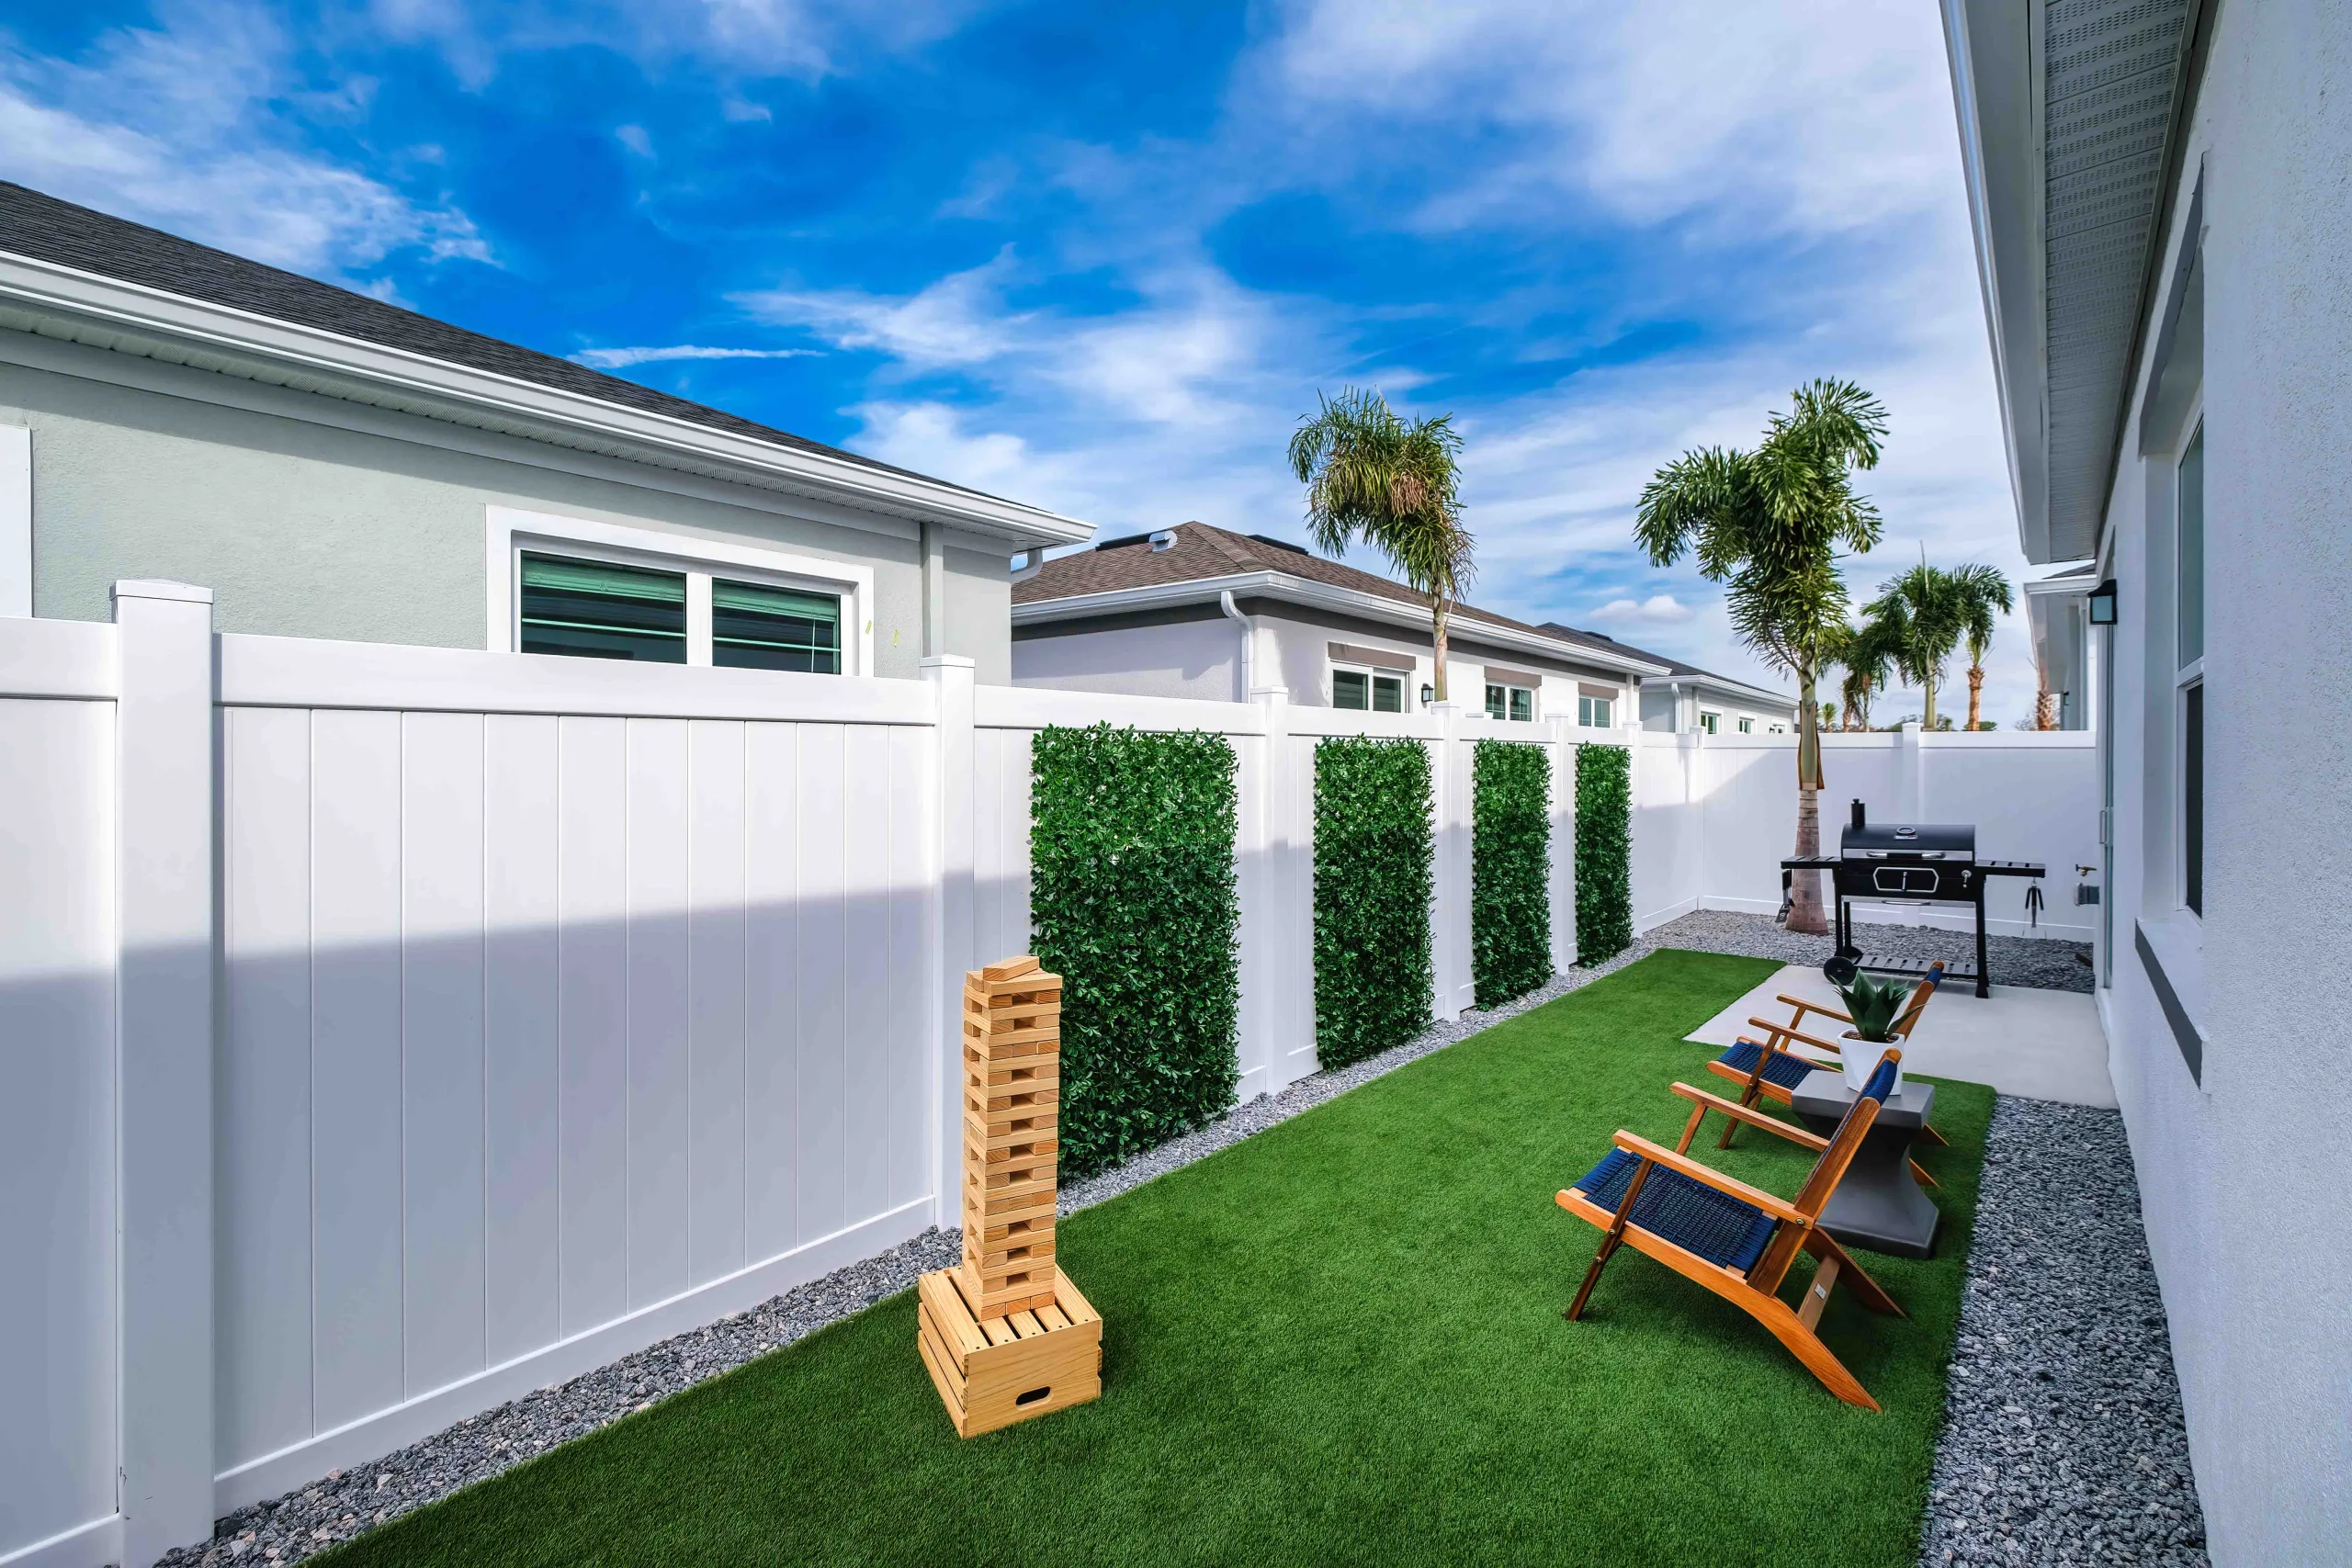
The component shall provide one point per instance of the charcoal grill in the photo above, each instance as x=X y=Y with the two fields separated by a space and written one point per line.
x=1915 y=864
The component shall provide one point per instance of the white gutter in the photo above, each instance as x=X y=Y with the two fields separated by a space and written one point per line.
x=1248 y=643
x=1304 y=591
x=61 y=301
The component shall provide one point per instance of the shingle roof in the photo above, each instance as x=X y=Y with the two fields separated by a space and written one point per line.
x=43 y=228
x=1673 y=666
x=1201 y=551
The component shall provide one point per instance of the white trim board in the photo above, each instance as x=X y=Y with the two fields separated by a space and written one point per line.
x=109 y=313
x=508 y=529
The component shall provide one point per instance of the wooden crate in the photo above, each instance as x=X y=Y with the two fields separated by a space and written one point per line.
x=992 y=1370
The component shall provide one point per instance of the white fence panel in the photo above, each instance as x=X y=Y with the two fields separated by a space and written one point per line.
x=58 y=1446
x=1668 y=823
x=537 y=1025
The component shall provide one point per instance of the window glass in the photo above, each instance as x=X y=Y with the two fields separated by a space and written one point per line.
x=757 y=627
x=1522 y=705
x=2192 y=798
x=1388 y=693
x=1747 y=726
x=1351 y=689
x=1708 y=721
x=1495 y=700
x=1594 y=713
x=2191 y=561
x=595 y=610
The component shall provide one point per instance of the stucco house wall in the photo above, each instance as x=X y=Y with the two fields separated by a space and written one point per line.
x=319 y=517
x=1177 y=654
x=2243 y=1165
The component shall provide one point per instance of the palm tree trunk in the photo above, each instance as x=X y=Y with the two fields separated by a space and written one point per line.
x=1976 y=693
x=1437 y=621
x=1929 y=683
x=1805 y=911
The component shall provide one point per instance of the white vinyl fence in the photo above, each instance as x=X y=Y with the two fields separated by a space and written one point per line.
x=1714 y=815
x=387 y=1032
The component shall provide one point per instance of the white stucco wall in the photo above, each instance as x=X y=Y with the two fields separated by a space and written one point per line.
x=2243 y=1177
x=308 y=517
x=1189 y=659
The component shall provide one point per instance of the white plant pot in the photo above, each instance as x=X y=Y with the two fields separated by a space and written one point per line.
x=1857 y=1059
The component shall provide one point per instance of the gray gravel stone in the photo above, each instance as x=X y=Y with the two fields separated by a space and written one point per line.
x=2049 y=964
x=2062 y=1438
x=343 y=1503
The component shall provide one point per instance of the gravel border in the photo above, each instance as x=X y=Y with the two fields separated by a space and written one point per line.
x=2063 y=1440
x=347 y=1502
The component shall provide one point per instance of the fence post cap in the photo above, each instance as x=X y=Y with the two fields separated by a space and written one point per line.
x=158 y=588
x=948 y=661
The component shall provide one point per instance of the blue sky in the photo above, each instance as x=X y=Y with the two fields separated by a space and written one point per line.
x=1101 y=260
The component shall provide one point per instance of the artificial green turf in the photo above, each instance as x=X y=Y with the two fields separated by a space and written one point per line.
x=1337 y=1342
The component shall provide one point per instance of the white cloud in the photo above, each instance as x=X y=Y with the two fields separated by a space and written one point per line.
x=635 y=138
x=169 y=127
x=1658 y=609
x=620 y=359
x=958 y=321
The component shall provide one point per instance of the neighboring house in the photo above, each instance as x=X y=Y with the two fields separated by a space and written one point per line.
x=1194 y=611
x=1687 y=698
x=2057 y=614
x=332 y=466
x=2164 y=243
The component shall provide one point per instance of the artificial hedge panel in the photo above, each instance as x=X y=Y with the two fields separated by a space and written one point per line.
x=1373 y=879
x=1604 y=852
x=1133 y=904
x=1510 y=862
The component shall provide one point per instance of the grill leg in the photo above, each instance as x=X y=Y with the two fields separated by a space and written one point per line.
x=1983 y=977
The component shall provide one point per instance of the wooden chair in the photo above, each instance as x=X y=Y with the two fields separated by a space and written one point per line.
x=1737 y=1240
x=1771 y=1070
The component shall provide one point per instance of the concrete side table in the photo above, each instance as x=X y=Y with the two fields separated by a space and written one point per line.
x=1878 y=1205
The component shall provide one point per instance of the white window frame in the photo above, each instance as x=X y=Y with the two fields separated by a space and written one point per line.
x=1371 y=672
x=1534 y=700
x=511 y=530
x=1745 y=724
x=2191 y=675
x=1710 y=723
x=1583 y=710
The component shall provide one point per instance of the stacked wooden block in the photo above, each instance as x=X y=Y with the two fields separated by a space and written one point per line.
x=1004 y=1333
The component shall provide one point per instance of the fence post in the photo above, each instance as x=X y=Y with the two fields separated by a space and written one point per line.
x=1450 y=912
x=1274 y=950
x=950 y=677
x=166 y=893
x=1563 y=846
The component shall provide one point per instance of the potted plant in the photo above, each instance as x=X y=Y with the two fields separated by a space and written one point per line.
x=1874 y=1005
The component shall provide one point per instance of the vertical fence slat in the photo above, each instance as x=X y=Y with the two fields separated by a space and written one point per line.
x=657 y=1009
x=523 y=1072
x=715 y=972
x=593 y=871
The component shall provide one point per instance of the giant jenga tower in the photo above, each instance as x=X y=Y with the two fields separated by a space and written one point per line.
x=1004 y=1333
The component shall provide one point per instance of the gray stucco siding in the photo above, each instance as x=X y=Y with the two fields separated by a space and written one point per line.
x=304 y=526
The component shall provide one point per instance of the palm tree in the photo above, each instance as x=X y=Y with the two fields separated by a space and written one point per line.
x=1982 y=590
x=1927 y=612
x=1371 y=474
x=1867 y=655
x=1768 y=523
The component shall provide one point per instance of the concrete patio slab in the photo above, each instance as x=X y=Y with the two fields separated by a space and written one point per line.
x=2042 y=1044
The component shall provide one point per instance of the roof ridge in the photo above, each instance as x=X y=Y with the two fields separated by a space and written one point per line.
x=1225 y=543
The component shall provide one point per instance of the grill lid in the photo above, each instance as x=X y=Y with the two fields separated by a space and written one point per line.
x=1949 y=841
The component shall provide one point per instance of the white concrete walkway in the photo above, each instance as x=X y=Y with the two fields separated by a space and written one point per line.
x=2042 y=1044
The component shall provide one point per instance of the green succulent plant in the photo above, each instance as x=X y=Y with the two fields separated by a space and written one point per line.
x=1874 y=1005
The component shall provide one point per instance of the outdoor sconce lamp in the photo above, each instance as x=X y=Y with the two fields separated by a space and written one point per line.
x=2102 y=603
x=1429 y=694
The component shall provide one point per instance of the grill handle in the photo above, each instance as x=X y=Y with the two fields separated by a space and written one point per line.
x=1860 y=818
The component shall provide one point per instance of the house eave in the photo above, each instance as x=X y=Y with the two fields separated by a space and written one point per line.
x=1754 y=696
x=76 y=306
x=1305 y=591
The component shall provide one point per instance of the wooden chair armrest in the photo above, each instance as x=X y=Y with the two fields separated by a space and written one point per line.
x=1783 y=1032
x=1683 y=1165
x=1753 y=1117
x=1804 y=1006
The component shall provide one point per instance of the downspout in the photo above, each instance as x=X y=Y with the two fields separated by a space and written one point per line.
x=1248 y=643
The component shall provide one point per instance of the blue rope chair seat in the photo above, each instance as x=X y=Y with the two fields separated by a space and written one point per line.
x=1692 y=1214
x=1783 y=1069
